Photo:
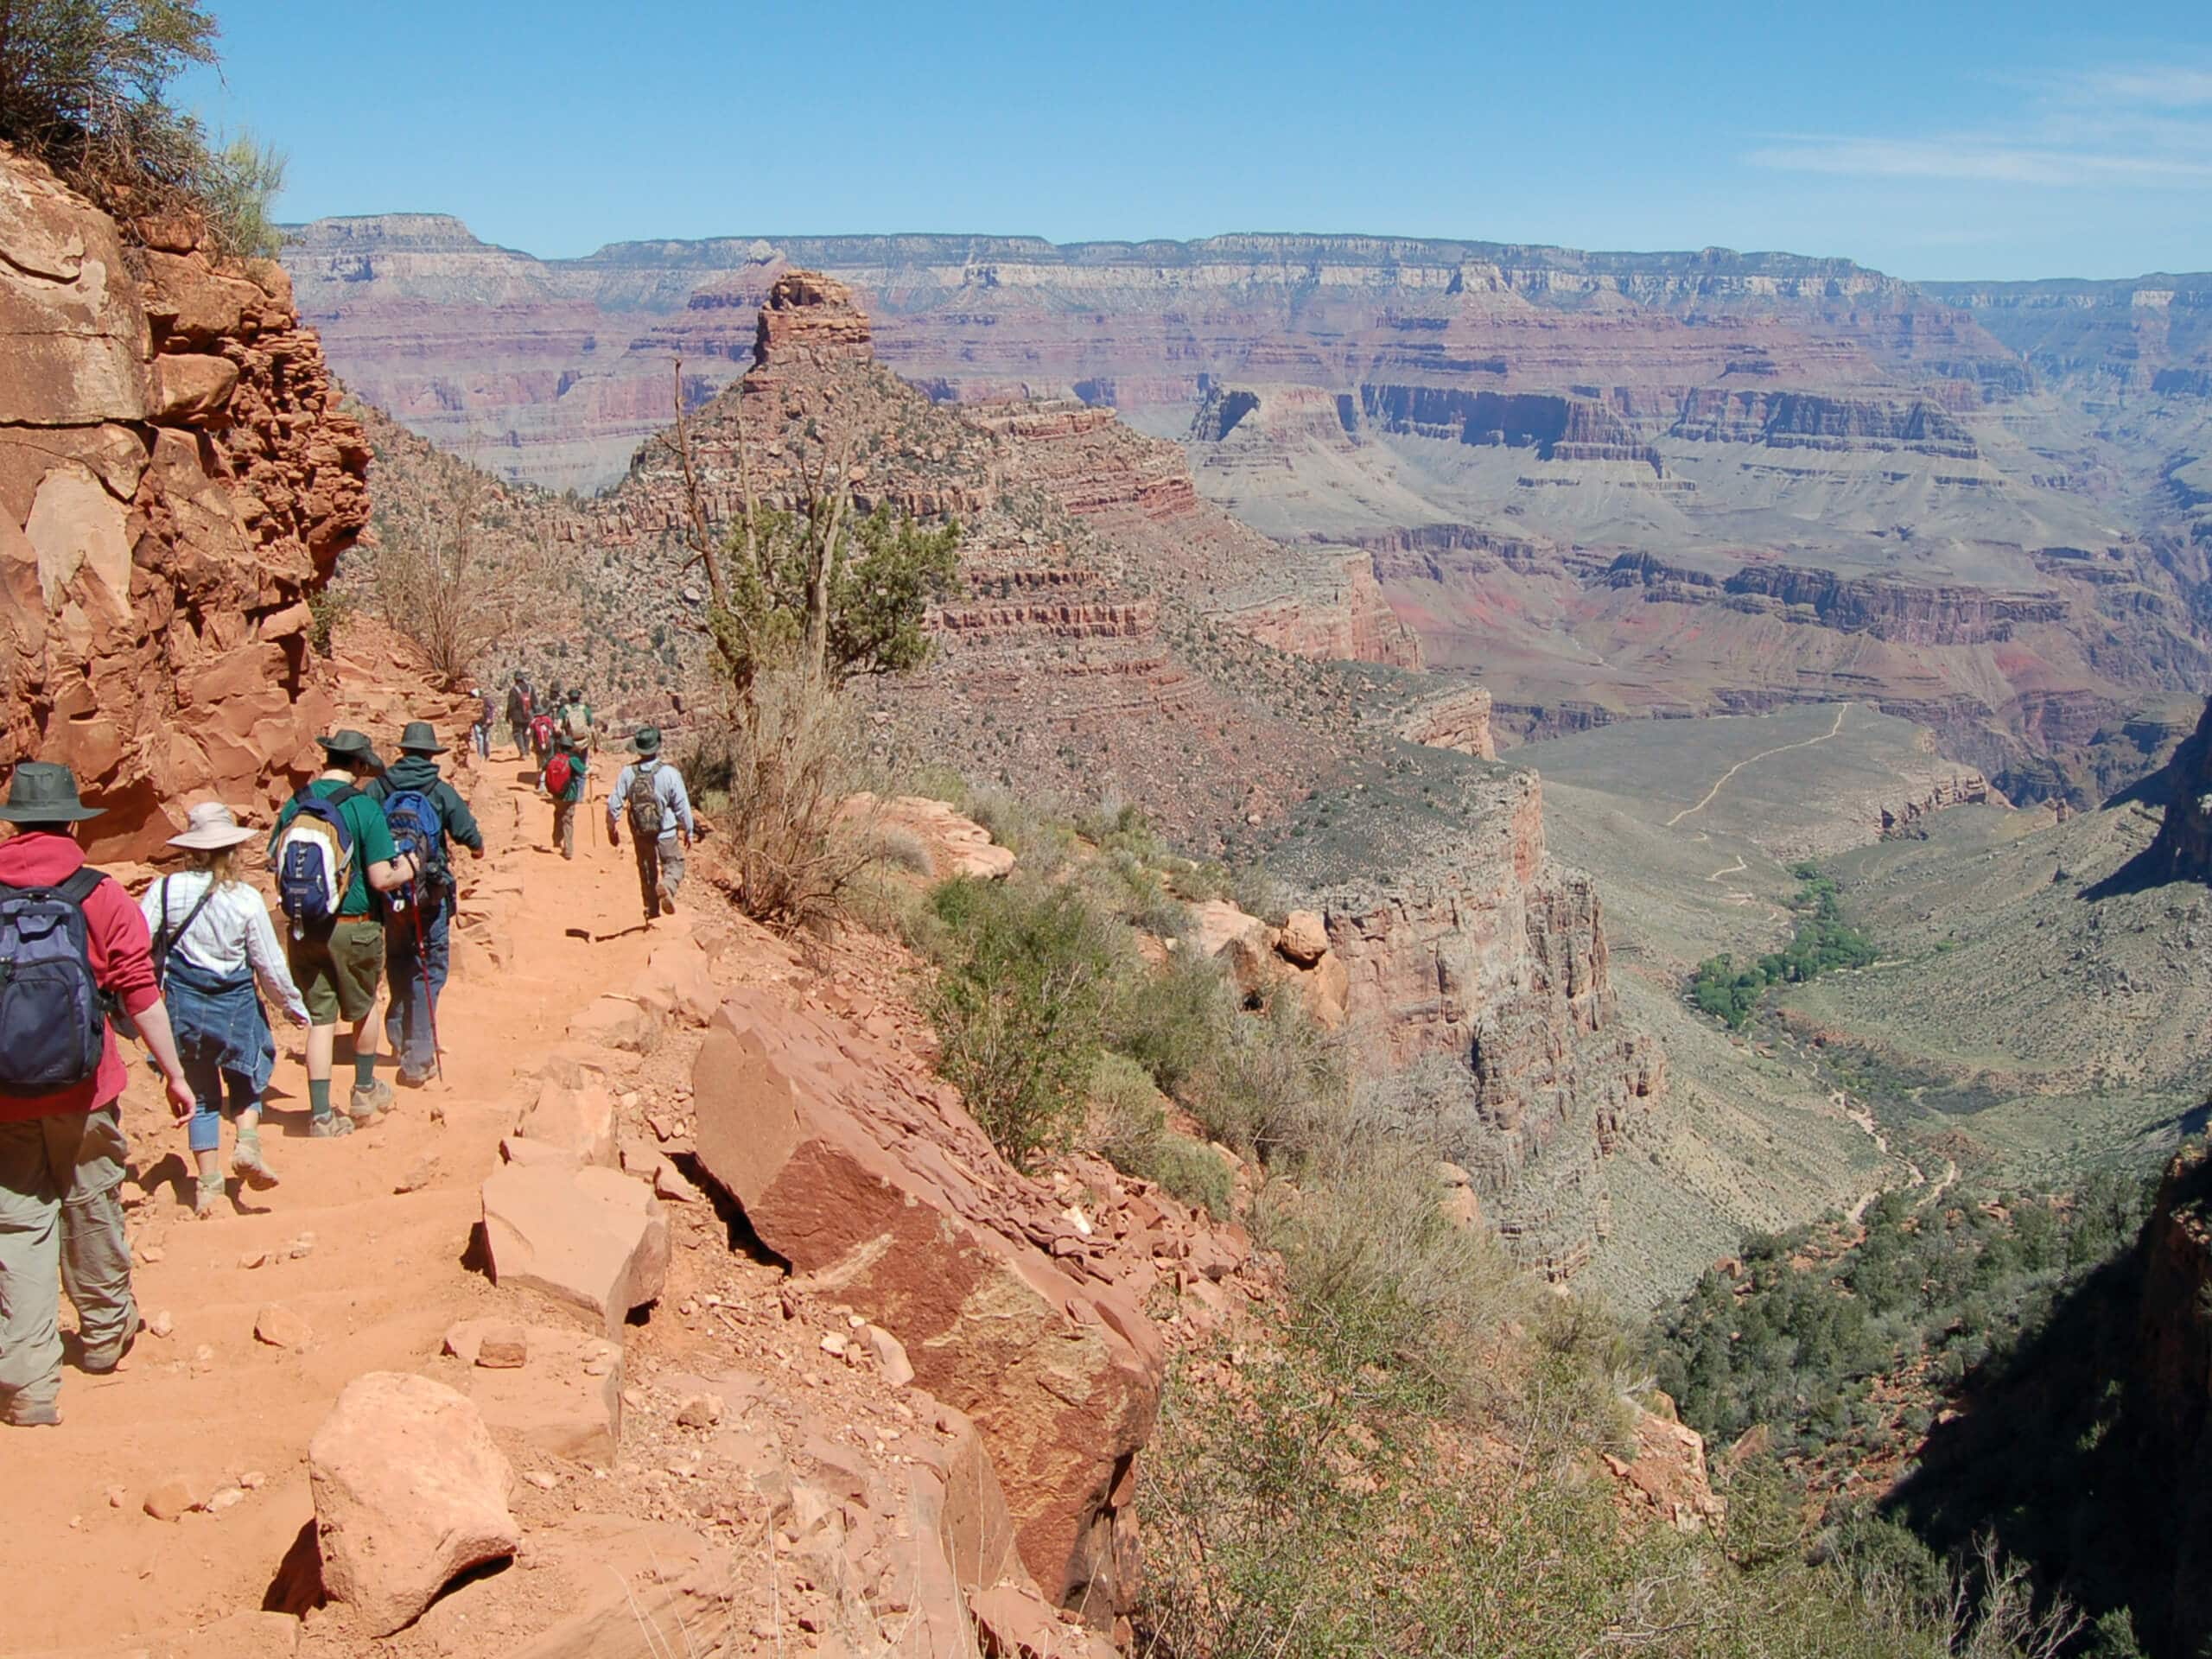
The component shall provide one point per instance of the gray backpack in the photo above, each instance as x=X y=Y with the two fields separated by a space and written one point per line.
x=643 y=803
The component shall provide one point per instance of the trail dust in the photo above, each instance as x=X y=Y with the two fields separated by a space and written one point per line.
x=379 y=1282
x=1721 y=782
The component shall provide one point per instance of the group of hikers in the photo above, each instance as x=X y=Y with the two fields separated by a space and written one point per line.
x=361 y=859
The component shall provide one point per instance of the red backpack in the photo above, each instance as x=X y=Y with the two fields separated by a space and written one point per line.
x=558 y=771
x=541 y=730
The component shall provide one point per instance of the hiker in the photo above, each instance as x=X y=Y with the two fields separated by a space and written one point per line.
x=565 y=782
x=575 y=720
x=650 y=792
x=542 y=730
x=331 y=849
x=212 y=940
x=423 y=812
x=487 y=714
x=62 y=1076
x=520 y=708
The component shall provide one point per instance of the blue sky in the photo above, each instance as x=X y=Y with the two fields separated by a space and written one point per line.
x=1930 y=140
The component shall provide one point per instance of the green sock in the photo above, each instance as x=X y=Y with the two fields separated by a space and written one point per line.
x=319 y=1096
x=364 y=1070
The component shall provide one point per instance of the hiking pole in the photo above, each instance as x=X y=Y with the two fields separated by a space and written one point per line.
x=430 y=995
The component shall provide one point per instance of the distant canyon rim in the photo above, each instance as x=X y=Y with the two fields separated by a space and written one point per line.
x=1601 y=485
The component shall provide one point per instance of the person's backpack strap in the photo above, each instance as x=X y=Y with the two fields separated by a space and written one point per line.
x=166 y=939
x=79 y=888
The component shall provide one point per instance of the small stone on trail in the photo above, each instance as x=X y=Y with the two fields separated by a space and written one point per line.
x=302 y=1246
x=280 y=1327
x=203 y=1359
x=223 y=1499
x=419 y=1175
x=173 y=1499
x=253 y=1480
x=670 y=1183
x=544 y=1482
x=149 y=1254
x=253 y=1258
x=503 y=1348
x=163 y=1323
x=833 y=1344
x=700 y=1411
x=117 y=1497
x=662 y=1128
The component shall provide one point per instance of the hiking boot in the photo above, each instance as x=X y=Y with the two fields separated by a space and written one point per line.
x=330 y=1125
x=416 y=1079
x=667 y=902
x=246 y=1165
x=366 y=1105
x=209 y=1195
x=109 y=1367
x=46 y=1415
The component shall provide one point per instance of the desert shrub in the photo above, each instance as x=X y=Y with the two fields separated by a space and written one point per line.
x=1041 y=841
x=1258 y=894
x=1273 y=1086
x=1128 y=1127
x=327 y=609
x=1019 y=1005
x=794 y=760
x=1173 y=1022
x=1823 y=941
x=902 y=850
x=242 y=180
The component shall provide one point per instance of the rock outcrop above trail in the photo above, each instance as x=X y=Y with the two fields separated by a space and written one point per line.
x=2182 y=848
x=176 y=481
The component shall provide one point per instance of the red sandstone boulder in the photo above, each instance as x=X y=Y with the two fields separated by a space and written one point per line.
x=876 y=1183
x=590 y=1238
x=408 y=1492
x=579 y=1122
x=1304 y=940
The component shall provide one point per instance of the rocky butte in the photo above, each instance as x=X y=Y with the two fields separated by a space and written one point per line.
x=1112 y=629
x=177 y=483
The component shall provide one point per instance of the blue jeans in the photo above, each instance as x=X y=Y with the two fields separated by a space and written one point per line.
x=209 y=1080
x=480 y=735
x=416 y=978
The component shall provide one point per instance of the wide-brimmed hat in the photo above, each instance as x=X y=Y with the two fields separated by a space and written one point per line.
x=43 y=791
x=209 y=828
x=350 y=745
x=420 y=738
x=648 y=741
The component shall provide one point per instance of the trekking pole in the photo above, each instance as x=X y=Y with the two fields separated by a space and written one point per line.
x=430 y=994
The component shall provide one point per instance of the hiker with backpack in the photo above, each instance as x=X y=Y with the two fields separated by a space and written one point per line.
x=479 y=732
x=521 y=706
x=423 y=812
x=575 y=721
x=542 y=733
x=333 y=852
x=76 y=948
x=565 y=782
x=213 y=940
x=650 y=794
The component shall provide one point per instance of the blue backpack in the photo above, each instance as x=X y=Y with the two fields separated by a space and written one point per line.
x=418 y=831
x=52 y=1013
x=315 y=859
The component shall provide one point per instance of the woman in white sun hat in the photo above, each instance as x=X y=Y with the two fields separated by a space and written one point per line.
x=213 y=939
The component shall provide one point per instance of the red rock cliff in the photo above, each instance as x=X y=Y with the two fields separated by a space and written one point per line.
x=176 y=481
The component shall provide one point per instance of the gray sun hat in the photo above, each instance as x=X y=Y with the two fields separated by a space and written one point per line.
x=420 y=738
x=350 y=745
x=43 y=791
x=209 y=828
x=648 y=741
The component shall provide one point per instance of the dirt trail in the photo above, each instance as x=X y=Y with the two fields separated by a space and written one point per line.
x=382 y=1280
x=1721 y=782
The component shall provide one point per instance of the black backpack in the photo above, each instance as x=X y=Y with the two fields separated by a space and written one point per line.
x=52 y=1012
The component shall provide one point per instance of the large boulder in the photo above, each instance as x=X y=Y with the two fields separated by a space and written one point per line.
x=408 y=1492
x=590 y=1238
x=578 y=1121
x=869 y=1176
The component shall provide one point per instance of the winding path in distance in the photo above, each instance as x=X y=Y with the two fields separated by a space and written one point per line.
x=1721 y=782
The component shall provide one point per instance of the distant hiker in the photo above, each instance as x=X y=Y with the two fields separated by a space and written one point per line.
x=575 y=721
x=423 y=812
x=213 y=939
x=76 y=947
x=487 y=715
x=331 y=849
x=542 y=731
x=650 y=794
x=565 y=782
x=520 y=707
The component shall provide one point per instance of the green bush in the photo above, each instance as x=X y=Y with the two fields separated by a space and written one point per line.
x=1823 y=942
x=1019 y=1006
x=1128 y=1127
x=1173 y=1022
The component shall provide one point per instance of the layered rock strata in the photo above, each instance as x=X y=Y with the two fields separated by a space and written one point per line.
x=177 y=482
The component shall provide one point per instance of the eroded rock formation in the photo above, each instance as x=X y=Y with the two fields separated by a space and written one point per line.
x=2182 y=850
x=177 y=482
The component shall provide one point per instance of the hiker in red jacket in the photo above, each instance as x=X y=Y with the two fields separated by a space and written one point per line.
x=61 y=1077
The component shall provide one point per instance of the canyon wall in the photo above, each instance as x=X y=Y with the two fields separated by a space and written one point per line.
x=177 y=481
x=2182 y=848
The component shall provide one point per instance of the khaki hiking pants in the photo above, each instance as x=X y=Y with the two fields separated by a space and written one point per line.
x=660 y=871
x=61 y=1225
x=564 y=828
